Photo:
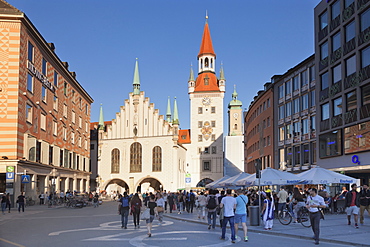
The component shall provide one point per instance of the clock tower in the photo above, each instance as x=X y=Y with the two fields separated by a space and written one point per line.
x=235 y=115
x=206 y=93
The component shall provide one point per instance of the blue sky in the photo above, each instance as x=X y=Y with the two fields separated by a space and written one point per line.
x=101 y=40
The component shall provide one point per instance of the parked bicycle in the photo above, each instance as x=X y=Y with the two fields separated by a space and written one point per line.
x=285 y=217
x=29 y=201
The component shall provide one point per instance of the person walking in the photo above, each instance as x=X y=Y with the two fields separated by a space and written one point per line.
x=136 y=204
x=314 y=202
x=191 y=197
x=152 y=205
x=180 y=199
x=202 y=202
x=228 y=204
x=95 y=200
x=124 y=208
x=21 y=201
x=268 y=211
x=171 y=201
x=353 y=204
x=221 y=195
x=241 y=214
x=364 y=202
x=8 y=204
x=282 y=195
x=212 y=204
x=42 y=198
x=3 y=203
x=160 y=208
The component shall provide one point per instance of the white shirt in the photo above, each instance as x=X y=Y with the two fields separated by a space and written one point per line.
x=229 y=203
x=315 y=200
x=160 y=202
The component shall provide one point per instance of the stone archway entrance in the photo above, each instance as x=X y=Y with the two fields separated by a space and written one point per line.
x=149 y=184
x=117 y=185
x=204 y=182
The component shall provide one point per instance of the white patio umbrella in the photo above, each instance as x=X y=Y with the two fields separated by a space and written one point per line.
x=215 y=184
x=270 y=176
x=232 y=180
x=320 y=175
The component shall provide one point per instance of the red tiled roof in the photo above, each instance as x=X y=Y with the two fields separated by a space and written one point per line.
x=184 y=137
x=206 y=46
x=200 y=86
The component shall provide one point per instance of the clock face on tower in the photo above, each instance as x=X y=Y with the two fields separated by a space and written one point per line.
x=206 y=101
x=236 y=115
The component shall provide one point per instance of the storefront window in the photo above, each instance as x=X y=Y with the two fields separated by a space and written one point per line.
x=330 y=144
x=357 y=138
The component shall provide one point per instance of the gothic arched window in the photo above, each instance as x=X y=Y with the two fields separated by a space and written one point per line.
x=157 y=159
x=135 y=157
x=206 y=62
x=115 y=161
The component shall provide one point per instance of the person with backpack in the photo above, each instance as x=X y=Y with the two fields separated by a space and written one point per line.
x=212 y=204
x=180 y=200
x=135 y=209
x=124 y=208
x=95 y=200
x=191 y=201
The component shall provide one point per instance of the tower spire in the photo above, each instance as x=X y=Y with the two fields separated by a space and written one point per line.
x=222 y=74
x=206 y=46
x=234 y=94
x=101 y=118
x=191 y=77
x=168 y=113
x=175 y=113
x=136 y=81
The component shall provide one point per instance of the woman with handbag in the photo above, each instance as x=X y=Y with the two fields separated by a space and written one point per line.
x=160 y=207
x=152 y=205
x=135 y=209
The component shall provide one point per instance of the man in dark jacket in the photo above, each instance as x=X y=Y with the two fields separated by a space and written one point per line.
x=364 y=202
x=353 y=204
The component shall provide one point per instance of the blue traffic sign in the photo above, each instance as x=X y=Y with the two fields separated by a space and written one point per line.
x=10 y=175
x=188 y=180
x=26 y=179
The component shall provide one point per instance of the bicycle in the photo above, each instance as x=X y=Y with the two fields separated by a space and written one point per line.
x=30 y=202
x=285 y=217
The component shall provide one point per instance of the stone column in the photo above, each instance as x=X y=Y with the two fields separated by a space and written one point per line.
x=88 y=189
x=66 y=184
x=34 y=184
x=82 y=185
x=74 y=182
x=46 y=184
x=57 y=184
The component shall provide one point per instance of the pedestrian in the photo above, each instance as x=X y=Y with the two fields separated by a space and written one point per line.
x=282 y=195
x=160 y=207
x=95 y=200
x=221 y=195
x=202 y=202
x=152 y=205
x=165 y=200
x=353 y=204
x=42 y=198
x=136 y=205
x=314 y=202
x=298 y=203
x=21 y=201
x=212 y=205
x=180 y=199
x=124 y=209
x=171 y=201
x=364 y=202
x=268 y=211
x=241 y=214
x=228 y=204
x=8 y=204
x=3 y=203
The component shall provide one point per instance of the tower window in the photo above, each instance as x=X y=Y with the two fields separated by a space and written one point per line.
x=200 y=138
x=235 y=127
x=206 y=80
x=213 y=137
x=206 y=150
x=213 y=124
x=200 y=124
x=213 y=109
x=200 y=110
x=206 y=62
x=206 y=165
x=214 y=150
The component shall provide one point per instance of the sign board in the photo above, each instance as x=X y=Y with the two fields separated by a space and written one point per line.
x=10 y=169
x=10 y=176
x=187 y=180
x=187 y=175
x=25 y=179
x=10 y=191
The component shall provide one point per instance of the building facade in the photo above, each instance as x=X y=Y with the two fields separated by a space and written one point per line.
x=342 y=48
x=259 y=129
x=295 y=117
x=44 y=113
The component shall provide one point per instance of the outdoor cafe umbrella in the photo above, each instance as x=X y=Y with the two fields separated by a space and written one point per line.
x=232 y=180
x=320 y=175
x=270 y=176
x=215 y=184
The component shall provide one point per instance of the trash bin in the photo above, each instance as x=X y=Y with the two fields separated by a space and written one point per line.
x=254 y=216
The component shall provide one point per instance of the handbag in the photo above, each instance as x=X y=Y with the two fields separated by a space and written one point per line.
x=160 y=209
x=146 y=214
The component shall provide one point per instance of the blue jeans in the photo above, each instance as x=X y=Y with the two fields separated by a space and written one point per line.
x=212 y=216
x=124 y=216
x=3 y=207
x=232 y=228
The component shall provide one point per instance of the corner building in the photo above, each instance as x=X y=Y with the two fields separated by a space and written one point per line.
x=44 y=113
x=342 y=48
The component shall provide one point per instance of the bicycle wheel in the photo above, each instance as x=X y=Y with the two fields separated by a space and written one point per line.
x=304 y=218
x=285 y=217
